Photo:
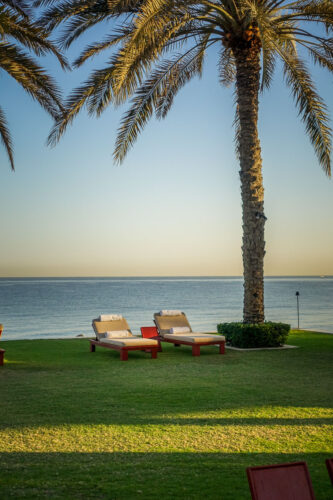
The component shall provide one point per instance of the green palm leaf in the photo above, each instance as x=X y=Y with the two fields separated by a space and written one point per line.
x=6 y=138
x=20 y=38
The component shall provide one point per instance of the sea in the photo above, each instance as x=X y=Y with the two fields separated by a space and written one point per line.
x=45 y=308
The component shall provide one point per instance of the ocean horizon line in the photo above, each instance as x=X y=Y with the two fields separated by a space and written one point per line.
x=192 y=276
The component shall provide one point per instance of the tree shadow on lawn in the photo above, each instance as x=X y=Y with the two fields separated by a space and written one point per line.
x=143 y=475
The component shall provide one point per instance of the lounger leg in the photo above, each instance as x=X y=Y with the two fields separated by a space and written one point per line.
x=195 y=350
x=2 y=353
x=154 y=353
x=92 y=347
x=222 y=348
x=123 y=355
x=176 y=345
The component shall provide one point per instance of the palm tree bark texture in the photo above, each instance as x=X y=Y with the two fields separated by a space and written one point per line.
x=253 y=249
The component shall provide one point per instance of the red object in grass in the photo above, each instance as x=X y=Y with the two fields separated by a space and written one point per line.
x=148 y=332
x=289 y=481
x=329 y=465
x=2 y=353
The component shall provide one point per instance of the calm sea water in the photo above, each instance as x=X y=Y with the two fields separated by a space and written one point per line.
x=64 y=307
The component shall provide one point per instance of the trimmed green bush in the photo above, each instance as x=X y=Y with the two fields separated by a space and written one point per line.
x=245 y=335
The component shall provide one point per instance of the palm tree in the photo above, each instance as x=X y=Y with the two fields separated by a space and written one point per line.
x=159 y=45
x=18 y=31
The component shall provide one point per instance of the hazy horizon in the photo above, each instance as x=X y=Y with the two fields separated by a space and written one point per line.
x=169 y=276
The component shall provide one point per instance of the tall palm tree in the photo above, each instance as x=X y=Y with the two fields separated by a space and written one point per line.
x=17 y=32
x=157 y=46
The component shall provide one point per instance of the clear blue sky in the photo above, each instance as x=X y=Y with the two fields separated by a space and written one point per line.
x=174 y=206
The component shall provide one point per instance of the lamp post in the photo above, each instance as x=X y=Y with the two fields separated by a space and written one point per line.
x=297 y=298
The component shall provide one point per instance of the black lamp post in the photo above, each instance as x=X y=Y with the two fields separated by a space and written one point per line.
x=297 y=298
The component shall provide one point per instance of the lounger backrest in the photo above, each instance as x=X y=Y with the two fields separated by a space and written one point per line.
x=164 y=323
x=110 y=326
x=289 y=481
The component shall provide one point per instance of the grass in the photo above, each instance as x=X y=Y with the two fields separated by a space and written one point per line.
x=81 y=425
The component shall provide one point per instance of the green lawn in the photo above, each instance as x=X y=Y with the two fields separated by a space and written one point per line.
x=75 y=424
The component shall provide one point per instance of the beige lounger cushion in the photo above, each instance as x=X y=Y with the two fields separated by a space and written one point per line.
x=116 y=334
x=130 y=341
x=196 y=338
x=165 y=323
x=180 y=330
x=100 y=327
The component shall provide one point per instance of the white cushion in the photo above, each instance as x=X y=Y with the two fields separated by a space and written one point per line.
x=180 y=329
x=110 y=317
x=130 y=341
x=117 y=334
x=169 y=312
x=194 y=338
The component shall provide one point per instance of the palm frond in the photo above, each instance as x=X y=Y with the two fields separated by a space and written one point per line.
x=6 y=138
x=94 y=49
x=97 y=84
x=311 y=108
x=157 y=93
x=188 y=66
x=268 y=60
x=76 y=17
x=29 y=35
x=31 y=77
x=18 y=6
x=227 y=69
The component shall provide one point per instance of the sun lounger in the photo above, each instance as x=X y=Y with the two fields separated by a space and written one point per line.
x=171 y=328
x=116 y=334
x=289 y=481
x=329 y=465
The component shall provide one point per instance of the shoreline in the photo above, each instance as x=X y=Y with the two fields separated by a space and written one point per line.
x=81 y=336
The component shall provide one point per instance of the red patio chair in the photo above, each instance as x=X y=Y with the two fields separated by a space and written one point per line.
x=289 y=481
x=150 y=332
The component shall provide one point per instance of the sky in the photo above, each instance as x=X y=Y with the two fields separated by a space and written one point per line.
x=173 y=208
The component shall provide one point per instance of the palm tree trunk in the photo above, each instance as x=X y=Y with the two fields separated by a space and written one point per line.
x=247 y=85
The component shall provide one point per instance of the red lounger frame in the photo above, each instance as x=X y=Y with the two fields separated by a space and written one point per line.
x=195 y=346
x=289 y=481
x=124 y=349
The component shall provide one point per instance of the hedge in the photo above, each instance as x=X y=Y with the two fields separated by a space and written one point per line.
x=246 y=335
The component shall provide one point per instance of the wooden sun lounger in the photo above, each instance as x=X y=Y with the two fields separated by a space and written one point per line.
x=164 y=323
x=288 y=481
x=135 y=343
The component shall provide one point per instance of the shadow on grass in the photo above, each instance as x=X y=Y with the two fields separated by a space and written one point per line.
x=145 y=475
x=146 y=420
